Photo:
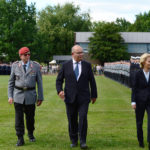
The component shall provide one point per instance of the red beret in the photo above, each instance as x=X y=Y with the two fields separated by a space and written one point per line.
x=24 y=50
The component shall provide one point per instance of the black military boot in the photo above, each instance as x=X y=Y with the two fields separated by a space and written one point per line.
x=20 y=141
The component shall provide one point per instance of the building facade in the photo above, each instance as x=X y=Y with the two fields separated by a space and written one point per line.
x=137 y=42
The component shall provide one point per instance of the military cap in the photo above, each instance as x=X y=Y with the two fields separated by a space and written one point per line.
x=24 y=50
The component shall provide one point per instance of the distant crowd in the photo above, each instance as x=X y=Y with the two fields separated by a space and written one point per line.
x=98 y=69
x=53 y=69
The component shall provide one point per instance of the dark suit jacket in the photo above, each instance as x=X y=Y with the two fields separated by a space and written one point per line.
x=141 y=88
x=74 y=88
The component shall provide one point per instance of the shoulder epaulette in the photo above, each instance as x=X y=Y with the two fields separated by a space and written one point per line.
x=16 y=62
x=36 y=62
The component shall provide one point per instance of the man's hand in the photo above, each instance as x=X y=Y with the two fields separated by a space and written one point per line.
x=134 y=106
x=62 y=95
x=10 y=100
x=39 y=102
x=93 y=100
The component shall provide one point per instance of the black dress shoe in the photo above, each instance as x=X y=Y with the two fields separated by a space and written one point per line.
x=31 y=138
x=73 y=145
x=20 y=141
x=83 y=146
x=141 y=144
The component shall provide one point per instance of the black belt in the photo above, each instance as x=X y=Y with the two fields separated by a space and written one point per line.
x=25 y=88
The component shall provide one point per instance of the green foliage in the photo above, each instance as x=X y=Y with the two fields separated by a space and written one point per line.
x=17 y=27
x=52 y=35
x=51 y=32
x=57 y=26
x=122 y=24
x=142 y=23
x=107 y=44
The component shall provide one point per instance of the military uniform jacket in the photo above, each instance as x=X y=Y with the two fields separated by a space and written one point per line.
x=29 y=79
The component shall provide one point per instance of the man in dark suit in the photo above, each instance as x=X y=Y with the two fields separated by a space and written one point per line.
x=77 y=96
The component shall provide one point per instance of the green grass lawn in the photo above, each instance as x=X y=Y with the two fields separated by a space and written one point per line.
x=111 y=121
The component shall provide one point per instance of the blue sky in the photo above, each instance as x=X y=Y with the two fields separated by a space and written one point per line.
x=103 y=10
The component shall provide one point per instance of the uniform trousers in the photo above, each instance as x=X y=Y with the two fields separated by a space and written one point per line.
x=29 y=111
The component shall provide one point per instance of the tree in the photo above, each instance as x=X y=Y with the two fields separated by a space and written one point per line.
x=142 y=23
x=107 y=44
x=57 y=25
x=122 y=24
x=17 y=27
x=97 y=24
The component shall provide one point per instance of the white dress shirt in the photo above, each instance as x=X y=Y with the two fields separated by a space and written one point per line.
x=27 y=64
x=146 y=74
x=80 y=67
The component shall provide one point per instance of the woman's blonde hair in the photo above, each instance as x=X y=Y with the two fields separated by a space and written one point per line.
x=143 y=58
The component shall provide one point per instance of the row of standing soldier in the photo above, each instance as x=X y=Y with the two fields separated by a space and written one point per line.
x=122 y=71
x=5 y=69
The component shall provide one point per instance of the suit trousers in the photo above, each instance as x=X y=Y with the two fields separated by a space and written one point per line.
x=29 y=111
x=77 y=127
x=140 y=110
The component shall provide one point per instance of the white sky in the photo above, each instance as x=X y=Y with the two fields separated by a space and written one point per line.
x=103 y=10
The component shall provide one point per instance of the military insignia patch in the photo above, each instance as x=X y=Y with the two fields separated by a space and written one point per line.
x=17 y=77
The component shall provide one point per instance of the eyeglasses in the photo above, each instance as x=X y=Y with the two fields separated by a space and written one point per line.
x=79 y=53
x=26 y=54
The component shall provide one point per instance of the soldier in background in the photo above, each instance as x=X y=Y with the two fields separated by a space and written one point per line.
x=0 y=69
x=126 y=68
x=22 y=91
x=137 y=62
x=5 y=69
x=134 y=67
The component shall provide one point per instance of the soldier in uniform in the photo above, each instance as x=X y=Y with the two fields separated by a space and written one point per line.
x=9 y=70
x=132 y=70
x=3 y=69
x=0 y=69
x=22 y=91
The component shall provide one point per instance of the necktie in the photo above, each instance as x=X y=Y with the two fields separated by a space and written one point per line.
x=24 y=67
x=76 y=70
